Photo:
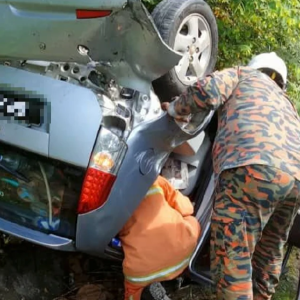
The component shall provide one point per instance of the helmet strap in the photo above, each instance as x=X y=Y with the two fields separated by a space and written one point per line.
x=275 y=77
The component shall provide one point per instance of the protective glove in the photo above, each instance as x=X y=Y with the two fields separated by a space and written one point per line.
x=173 y=112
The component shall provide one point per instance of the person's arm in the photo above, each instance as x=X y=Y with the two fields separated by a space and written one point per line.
x=206 y=94
x=176 y=199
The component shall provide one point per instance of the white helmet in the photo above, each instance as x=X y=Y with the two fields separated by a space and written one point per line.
x=270 y=61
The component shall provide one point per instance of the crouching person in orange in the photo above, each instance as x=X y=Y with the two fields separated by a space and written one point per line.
x=158 y=240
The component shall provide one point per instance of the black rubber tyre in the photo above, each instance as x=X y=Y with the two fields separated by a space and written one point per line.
x=168 y=15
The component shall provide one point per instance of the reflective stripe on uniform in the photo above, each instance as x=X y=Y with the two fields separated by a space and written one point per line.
x=155 y=190
x=160 y=274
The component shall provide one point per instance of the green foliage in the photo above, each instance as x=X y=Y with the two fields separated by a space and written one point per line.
x=249 y=27
x=150 y=4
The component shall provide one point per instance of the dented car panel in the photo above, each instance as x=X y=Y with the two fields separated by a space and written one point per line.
x=124 y=45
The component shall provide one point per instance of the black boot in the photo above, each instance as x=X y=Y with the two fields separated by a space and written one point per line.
x=155 y=292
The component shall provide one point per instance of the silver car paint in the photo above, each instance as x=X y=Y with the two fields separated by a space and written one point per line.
x=133 y=52
x=49 y=240
x=125 y=45
x=75 y=118
x=148 y=148
x=75 y=121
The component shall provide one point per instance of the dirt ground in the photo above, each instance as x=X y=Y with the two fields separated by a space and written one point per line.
x=28 y=272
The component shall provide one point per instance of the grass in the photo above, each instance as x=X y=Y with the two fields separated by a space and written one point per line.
x=286 y=290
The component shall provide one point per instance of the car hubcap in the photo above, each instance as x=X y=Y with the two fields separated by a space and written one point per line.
x=193 y=41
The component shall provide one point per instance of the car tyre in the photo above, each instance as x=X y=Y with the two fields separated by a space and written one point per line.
x=188 y=27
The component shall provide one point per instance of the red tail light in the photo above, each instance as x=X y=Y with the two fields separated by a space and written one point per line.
x=102 y=171
x=96 y=188
x=92 y=14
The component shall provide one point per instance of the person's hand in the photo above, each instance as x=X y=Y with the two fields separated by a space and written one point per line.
x=165 y=106
x=171 y=109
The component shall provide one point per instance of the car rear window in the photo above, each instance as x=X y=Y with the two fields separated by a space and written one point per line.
x=39 y=193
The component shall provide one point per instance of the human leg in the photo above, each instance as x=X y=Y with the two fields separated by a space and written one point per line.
x=133 y=291
x=268 y=254
x=246 y=197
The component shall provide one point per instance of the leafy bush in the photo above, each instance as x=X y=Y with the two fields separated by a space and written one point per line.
x=150 y=4
x=248 y=27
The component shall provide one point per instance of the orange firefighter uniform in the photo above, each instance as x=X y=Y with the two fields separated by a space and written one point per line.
x=159 y=239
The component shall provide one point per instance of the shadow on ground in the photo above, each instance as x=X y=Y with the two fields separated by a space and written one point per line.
x=29 y=272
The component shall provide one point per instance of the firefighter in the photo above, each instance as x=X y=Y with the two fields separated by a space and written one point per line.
x=158 y=240
x=256 y=159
